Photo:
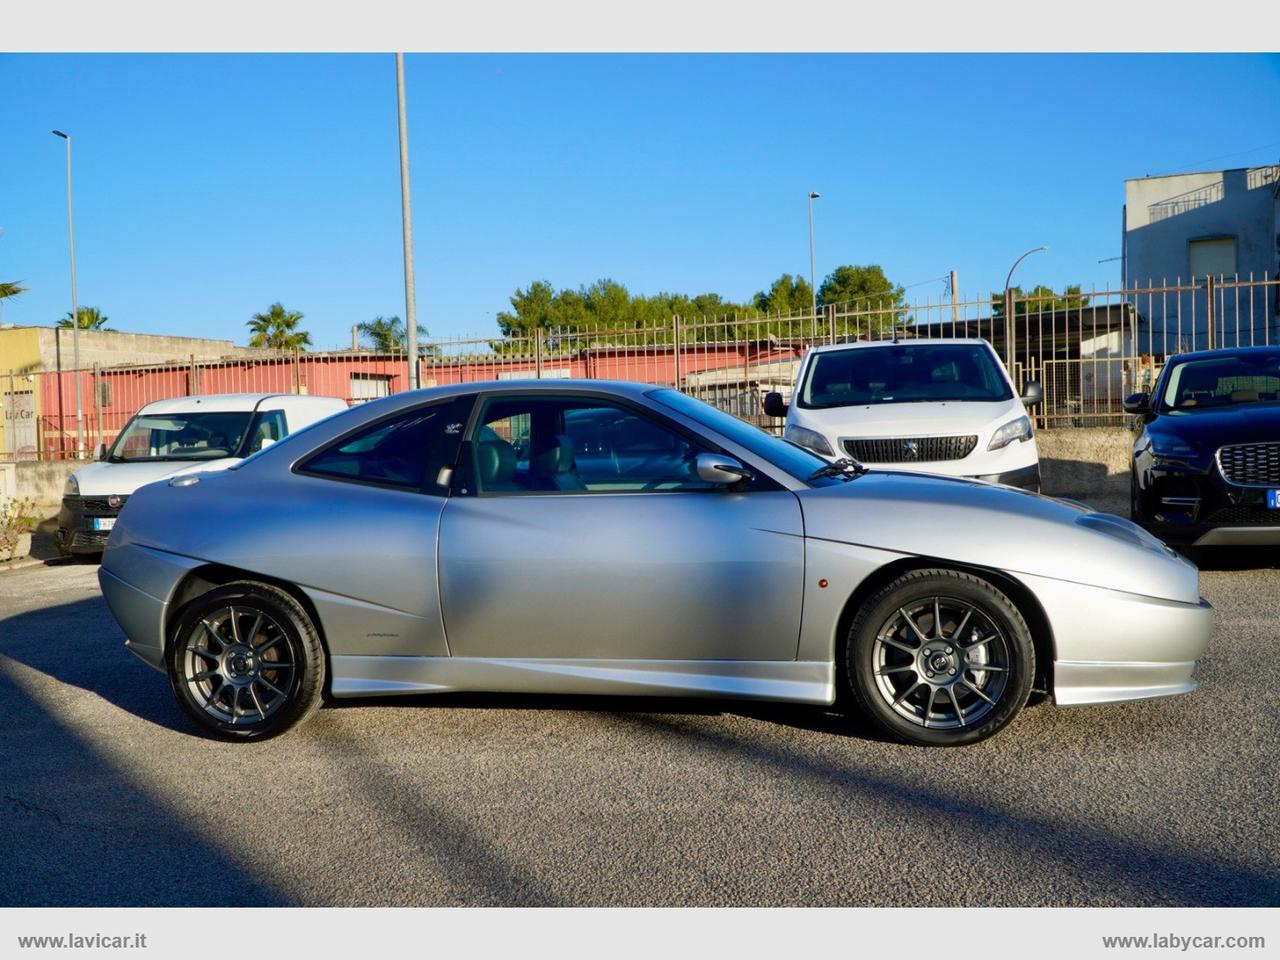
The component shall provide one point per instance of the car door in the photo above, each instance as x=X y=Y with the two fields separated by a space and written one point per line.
x=579 y=529
x=372 y=499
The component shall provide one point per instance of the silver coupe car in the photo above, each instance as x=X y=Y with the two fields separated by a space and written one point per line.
x=611 y=538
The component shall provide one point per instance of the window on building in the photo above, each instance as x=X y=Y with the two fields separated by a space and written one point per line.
x=1212 y=257
x=365 y=387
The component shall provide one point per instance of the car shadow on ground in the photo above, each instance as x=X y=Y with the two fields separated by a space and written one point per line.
x=1183 y=878
x=78 y=831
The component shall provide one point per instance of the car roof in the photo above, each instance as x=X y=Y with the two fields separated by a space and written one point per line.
x=1223 y=353
x=900 y=342
x=223 y=402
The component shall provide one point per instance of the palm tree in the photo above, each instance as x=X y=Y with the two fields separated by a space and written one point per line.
x=388 y=335
x=87 y=318
x=11 y=288
x=277 y=329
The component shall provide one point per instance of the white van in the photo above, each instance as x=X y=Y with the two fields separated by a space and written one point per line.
x=930 y=406
x=168 y=437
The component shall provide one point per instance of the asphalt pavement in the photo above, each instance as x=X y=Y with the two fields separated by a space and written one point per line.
x=109 y=796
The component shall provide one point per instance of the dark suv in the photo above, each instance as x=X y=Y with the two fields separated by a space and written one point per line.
x=1206 y=460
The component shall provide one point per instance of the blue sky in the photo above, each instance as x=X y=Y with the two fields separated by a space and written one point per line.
x=209 y=186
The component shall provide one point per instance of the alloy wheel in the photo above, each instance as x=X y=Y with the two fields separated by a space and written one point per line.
x=239 y=665
x=941 y=662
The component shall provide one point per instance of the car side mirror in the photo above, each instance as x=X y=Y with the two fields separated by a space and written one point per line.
x=1032 y=392
x=721 y=468
x=266 y=442
x=100 y=452
x=1137 y=403
x=773 y=405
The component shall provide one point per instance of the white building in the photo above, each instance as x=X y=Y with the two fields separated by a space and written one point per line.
x=1182 y=229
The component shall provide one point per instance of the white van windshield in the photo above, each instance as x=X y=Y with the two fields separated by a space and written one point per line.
x=181 y=436
x=903 y=373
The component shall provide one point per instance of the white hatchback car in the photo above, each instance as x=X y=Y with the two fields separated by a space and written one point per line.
x=931 y=406
x=168 y=437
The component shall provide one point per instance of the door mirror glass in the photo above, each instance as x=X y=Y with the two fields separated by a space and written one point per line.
x=1137 y=403
x=721 y=468
x=773 y=405
x=1032 y=392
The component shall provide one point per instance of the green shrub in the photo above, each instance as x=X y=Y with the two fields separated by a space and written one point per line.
x=16 y=518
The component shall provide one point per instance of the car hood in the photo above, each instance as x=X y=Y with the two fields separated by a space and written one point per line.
x=989 y=525
x=1209 y=429
x=104 y=478
x=943 y=418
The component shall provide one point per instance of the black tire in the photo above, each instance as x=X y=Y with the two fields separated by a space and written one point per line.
x=221 y=677
x=954 y=714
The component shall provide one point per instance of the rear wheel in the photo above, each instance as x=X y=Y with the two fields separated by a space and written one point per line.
x=940 y=658
x=245 y=662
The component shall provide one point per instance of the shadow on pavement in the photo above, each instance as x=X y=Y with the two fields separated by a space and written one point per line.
x=1149 y=875
x=100 y=664
x=78 y=832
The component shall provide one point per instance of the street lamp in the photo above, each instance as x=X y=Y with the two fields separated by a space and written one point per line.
x=813 y=282
x=406 y=217
x=1008 y=309
x=75 y=310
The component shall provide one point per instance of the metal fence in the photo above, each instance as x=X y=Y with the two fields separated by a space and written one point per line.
x=1088 y=348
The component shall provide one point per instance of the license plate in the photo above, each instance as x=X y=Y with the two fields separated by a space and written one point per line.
x=103 y=523
x=1273 y=499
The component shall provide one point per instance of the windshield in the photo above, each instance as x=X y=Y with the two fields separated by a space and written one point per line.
x=795 y=460
x=903 y=373
x=1223 y=382
x=180 y=436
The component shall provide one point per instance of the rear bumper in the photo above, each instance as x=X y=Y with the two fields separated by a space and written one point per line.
x=137 y=583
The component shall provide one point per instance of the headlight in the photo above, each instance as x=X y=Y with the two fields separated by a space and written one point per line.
x=72 y=487
x=1019 y=429
x=1172 y=448
x=810 y=439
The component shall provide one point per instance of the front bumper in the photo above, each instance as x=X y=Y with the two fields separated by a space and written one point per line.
x=1110 y=646
x=76 y=533
x=1028 y=478
x=1196 y=507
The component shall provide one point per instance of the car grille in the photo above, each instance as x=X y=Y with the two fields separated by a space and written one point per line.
x=1252 y=464
x=90 y=539
x=100 y=506
x=1245 y=517
x=910 y=449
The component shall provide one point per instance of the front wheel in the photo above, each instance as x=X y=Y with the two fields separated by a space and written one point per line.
x=245 y=662
x=940 y=658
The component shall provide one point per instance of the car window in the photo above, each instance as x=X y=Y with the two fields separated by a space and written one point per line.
x=578 y=445
x=1223 y=381
x=180 y=436
x=402 y=451
x=269 y=425
x=903 y=373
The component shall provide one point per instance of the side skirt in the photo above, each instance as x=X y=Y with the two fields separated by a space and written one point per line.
x=799 y=682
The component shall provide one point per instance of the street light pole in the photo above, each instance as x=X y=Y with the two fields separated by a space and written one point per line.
x=1008 y=309
x=410 y=297
x=813 y=282
x=75 y=308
